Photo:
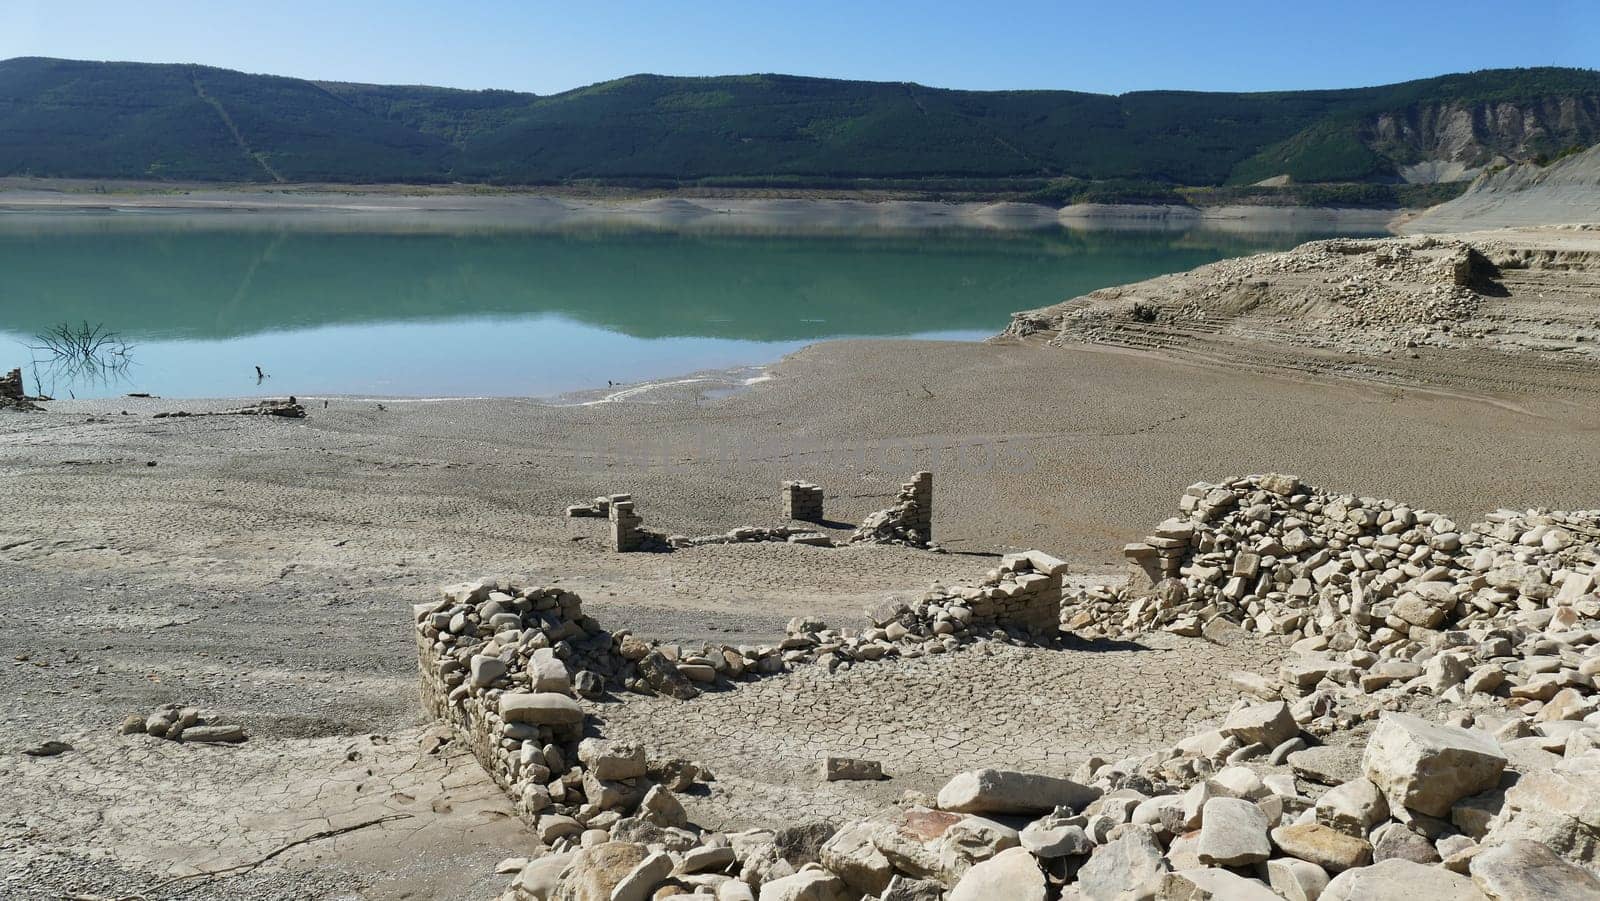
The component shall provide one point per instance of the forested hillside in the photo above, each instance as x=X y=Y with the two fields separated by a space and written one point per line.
x=61 y=118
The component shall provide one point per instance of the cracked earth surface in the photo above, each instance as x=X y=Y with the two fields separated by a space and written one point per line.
x=924 y=719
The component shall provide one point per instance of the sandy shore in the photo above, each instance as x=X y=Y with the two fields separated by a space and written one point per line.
x=265 y=568
x=423 y=209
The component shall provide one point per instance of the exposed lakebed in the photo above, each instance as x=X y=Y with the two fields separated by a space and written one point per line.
x=440 y=310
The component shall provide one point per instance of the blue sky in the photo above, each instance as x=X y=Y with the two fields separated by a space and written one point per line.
x=1108 y=46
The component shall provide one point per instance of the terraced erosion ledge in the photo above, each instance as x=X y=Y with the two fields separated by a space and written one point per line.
x=1432 y=729
x=1503 y=312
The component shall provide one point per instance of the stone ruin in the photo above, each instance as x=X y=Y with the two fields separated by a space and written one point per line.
x=627 y=527
x=13 y=396
x=802 y=501
x=1432 y=732
x=908 y=522
x=505 y=667
x=599 y=508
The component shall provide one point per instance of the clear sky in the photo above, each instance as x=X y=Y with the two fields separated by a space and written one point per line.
x=1107 y=46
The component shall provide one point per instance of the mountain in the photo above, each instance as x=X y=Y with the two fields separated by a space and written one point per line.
x=63 y=118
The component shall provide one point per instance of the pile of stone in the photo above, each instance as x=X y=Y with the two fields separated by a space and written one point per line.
x=1495 y=796
x=1281 y=557
x=177 y=722
x=283 y=409
x=1423 y=815
x=599 y=508
x=1358 y=295
x=750 y=534
x=802 y=501
x=494 y=667
x=908 y=522
x=13 y=396
x=1017 y=602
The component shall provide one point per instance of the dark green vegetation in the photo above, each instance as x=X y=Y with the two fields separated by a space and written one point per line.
x=180 y=122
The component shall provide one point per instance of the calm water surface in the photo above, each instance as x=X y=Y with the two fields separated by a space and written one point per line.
x=437 y=312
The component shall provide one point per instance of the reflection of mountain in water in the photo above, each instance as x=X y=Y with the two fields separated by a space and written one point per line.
x=162 y=284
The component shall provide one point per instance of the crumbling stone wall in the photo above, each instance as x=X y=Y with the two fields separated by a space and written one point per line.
x=909 y=521
x=1023 y=593
x=494 y=662
x=627 y=532
x=12 y=394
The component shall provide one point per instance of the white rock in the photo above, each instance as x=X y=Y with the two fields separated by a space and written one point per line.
x=643 y=878
x=1426 y=766
x=1400 y=880
x=1125 y=865
x=540 y=709
x=1208 y=884
x=1233 y=833
x=1523 y=869
x=1012 y=874
x=1012 y=792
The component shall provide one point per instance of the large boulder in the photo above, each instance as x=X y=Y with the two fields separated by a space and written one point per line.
x=608 y=759
x=1053 y=836
x=1012 y=792
x=1526 y=869
x=1427 y=767
x=810 y=884
x=595 y=872
x=1131 y=862
x=1268 y=724
x=548 y=672
x=852 y=854
x=1522 y=869
x=1324 y=846
x=1401 y=880
x=1012 y=874
x=537 y=880
x=970 y=841
x=663 y=677
x=1559 y=807
x=641 y=881
x=1296 y=880
x=1233 y=833
x=1208 y=884
x=1353 y=807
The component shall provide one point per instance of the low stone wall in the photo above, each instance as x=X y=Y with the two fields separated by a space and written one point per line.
x=1024 y=593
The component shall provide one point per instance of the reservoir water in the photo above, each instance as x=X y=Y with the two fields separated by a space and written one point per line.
x=197 y=303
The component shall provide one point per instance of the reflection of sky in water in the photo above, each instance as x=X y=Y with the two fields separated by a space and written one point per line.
x=525 y=314
x=530 y=357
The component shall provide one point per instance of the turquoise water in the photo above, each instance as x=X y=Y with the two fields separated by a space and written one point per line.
x=441 y=312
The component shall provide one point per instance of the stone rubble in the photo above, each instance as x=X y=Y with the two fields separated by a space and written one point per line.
x=283 y=409
x=14 y=395
x=1366 y=296
x=908 y=522
x=177 y=722
x=1433 y=730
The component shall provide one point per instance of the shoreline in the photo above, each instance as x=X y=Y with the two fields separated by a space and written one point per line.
x=555 y=209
